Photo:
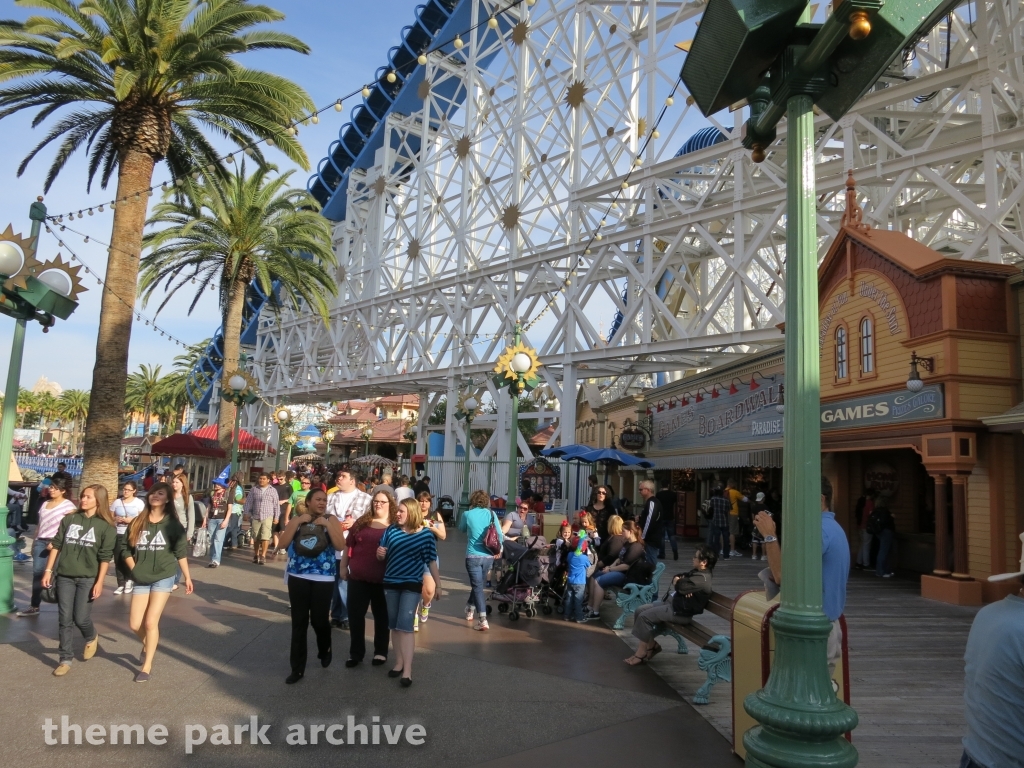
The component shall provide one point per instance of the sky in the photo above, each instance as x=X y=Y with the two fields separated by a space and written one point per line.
x=349 y=41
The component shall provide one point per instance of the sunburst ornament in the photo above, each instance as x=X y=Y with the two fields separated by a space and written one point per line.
x=461 y=406
x=462 y=147
x=228 y=375
x=29 y=265
x=413 y=251
x=520 y=32
x=62 y=277
x=379 y=186
x=505 y=375
x=574 y=96
x=510 y=217
x=423 y=90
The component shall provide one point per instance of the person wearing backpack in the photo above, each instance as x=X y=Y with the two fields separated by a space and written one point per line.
x=690 y=594
x=311 y=541
x=477 y=522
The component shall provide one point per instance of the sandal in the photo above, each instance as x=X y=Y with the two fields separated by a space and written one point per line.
x=636 y=661
x=653 y=652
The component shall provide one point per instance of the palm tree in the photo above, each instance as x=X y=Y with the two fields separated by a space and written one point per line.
x=142 y=388
x=226 y=233
x=46 y=405
x=74 y=407
x=142 y=81
x=171 y=401
x=27 y=404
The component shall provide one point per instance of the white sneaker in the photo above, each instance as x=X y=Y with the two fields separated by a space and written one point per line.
x=119 y=590
x=754 y=557
x=764 y=557
x=481 y=625
x=470 y=613
x=734 y=553
x=129 y=586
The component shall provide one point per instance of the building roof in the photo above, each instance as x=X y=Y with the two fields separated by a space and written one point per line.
x=189 y=445
x=384 y=431
x=542 y=436
x=247 y=442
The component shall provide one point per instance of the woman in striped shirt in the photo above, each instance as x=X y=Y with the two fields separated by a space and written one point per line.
x=409 y=550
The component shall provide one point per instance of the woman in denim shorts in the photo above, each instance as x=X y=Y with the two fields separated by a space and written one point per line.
x=157 y=548
x=406 y=547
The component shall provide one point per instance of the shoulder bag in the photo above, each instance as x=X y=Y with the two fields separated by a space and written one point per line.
x=492 y=541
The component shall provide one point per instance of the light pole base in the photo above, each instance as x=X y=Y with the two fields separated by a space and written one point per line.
x=801 y=720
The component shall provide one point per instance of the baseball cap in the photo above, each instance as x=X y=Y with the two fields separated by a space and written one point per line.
x=760 y=496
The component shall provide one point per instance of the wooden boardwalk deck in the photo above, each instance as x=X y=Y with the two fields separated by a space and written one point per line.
x=906 y=667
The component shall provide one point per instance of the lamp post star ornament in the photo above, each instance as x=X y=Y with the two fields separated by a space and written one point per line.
x=516 y=369
x=767 y=54
x=29 y=290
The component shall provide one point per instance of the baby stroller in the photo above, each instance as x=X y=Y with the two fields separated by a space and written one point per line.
x=519 y=587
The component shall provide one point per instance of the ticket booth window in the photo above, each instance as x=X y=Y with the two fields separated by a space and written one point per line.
x=867 y=346
x=842 y=357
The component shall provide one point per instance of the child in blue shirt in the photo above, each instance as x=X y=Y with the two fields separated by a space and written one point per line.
x=576 y=581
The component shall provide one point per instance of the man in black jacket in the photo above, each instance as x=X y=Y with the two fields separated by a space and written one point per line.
x=667 y=498
x=650 y=522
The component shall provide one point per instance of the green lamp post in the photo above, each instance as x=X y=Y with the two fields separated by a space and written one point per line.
x=468 y=407
x=283 y=417
x=239 y=390
x=328 y=437
x=516 y=369
x=767 y=54
x=291 y=439
x=29 y=290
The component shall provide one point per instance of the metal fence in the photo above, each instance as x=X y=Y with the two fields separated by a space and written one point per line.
x=47 y=464
x=492 y=476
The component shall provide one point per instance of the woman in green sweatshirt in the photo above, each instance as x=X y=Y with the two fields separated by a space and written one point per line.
x=157 y=547
x=85 y=545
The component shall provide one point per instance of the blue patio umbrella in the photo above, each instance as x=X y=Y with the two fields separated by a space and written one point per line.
x=310 y=431
x=566 y=452
x=609 y=457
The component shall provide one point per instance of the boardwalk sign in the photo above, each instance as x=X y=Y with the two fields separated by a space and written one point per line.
x=750 y=417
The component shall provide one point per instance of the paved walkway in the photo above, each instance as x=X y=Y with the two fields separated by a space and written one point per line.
x=536 y=691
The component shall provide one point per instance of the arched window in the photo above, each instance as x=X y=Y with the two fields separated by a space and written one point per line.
x=842 y=356
x=867 y=346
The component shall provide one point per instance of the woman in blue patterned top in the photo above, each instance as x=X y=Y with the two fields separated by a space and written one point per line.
x=409 y=550
x=311 y=540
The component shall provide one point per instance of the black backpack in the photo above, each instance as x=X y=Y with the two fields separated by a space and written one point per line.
x=310 y=540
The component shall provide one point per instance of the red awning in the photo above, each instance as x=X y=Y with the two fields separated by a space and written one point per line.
x=247 y=443
x=189 y=445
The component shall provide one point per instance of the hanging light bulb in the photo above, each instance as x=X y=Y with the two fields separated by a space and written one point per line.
x=314 y=119
x=163 y=186
x=229 y=159
x=366 y=92
x=598 y=236
x=248 y=151
x=639 y=161
x=270 y=142
x=195 y=175
x=492 y=23
x=86 y=239
x=337 y=106
x=656 y=134
x=422 y=60
x=669 y=101
x=211 y=168
x=177 y=183
x=90 y=211
x=113 y=204
x=100 y=209
x=62 y=227
x=458 y=42
x=60 y=219
x=391 y=77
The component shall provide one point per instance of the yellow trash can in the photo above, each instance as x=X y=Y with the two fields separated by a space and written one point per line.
x=753 y=651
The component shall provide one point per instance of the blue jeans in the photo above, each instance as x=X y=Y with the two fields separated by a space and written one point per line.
x=884 y=547
x=670 y=537
x=718 y=540
x=574 y=600
x=339 y=608
x=652 y=553
x=217 y=535
x=477 y=568
x=39 y=557
x=401 y=609
x=966 y=761
x=234 y=533
x=74 y=610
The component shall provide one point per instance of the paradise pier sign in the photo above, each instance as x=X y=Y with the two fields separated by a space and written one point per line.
x=751 y=416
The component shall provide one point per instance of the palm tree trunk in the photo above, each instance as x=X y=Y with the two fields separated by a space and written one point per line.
x=105 y=425
x=146 y=417
x=232 y=328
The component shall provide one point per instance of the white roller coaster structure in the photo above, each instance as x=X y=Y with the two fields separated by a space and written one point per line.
x=504 y=195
